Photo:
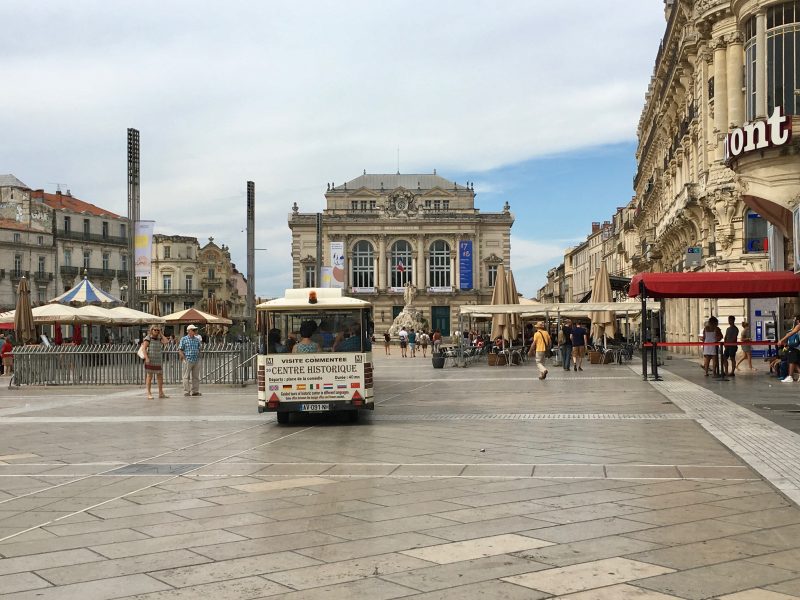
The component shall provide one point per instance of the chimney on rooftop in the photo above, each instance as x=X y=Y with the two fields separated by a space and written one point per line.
x=595 y=226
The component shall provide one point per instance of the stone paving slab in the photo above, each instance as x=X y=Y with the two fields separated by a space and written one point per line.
x=438 y=494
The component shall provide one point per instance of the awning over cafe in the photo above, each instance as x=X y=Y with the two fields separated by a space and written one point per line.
x=718 y=284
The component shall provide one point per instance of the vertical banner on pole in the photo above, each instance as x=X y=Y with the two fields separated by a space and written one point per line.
x=465 y=264
x=337 y=262
x=143 y=247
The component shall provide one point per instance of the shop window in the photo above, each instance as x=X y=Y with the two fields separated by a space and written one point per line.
x=755 y=233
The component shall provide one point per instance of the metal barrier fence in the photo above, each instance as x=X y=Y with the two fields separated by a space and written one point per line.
x=118 y=364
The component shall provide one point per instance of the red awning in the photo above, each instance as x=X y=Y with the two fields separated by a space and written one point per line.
x=719 y=284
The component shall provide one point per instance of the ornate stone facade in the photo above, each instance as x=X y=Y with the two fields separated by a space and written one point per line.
x=688 y=193
x=400 y=228
x=713 y=82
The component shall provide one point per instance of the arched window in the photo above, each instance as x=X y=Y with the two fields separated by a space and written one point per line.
x=781 y=58
x=755 y=233
x=400 y=264
x=439 y=273
x=363 y=265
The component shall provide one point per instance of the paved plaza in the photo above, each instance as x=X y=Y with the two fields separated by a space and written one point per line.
x=478 y=482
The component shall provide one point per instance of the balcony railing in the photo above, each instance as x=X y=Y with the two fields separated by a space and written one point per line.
x=100 y=273
x=191 y=292
x=212 y=281
x=92 y=237
x=93 y=273
x=42 y=276
x=18 y=274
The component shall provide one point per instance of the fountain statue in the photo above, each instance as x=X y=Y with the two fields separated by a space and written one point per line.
x=409 y=317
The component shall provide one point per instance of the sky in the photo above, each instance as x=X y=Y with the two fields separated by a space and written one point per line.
x=536 y=102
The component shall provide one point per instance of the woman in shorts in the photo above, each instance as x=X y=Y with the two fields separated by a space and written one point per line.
x=153 y=346
x=387 y=344
x=747 y=349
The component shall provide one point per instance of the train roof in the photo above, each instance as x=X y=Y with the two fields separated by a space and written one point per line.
x=326 y=298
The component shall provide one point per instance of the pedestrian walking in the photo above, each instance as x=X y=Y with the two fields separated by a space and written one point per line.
x=153 y=349
x=792 y=342
x=747 y=349
x=412 y=343
x=436 y=338
x=387 y=344
x=565 y=341
x=540 y=347
x=711 y=334
x=403 y=335
x=580 y=339
x=424 y=339
x=729 y=352
x=189 y=351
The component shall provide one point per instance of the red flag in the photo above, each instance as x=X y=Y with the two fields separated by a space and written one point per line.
x=400 y=266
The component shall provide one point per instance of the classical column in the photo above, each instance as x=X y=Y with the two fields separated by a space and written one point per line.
x=735 y=61
x=427 y=271
x=381 y=281
x=419 y=275
x=761 y=64
x=708 y=137
x=720 y=93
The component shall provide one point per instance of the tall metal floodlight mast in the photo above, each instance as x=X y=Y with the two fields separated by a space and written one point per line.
x=133 y=212
x=251 y=255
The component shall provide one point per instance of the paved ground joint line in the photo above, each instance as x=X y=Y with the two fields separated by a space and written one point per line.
x=77 y=512
x=768 y=448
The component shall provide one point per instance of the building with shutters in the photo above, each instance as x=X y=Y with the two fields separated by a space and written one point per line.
x=379 y=232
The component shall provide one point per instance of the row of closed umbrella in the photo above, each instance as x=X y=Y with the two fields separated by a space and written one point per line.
x=507 y=326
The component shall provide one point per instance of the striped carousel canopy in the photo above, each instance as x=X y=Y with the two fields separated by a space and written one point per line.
x=86 y=293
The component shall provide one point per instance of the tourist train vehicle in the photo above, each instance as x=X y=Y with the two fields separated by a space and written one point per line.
x=315 y=354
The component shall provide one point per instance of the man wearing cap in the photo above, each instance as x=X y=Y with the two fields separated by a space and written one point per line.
x=189 y=351
x=539 y=347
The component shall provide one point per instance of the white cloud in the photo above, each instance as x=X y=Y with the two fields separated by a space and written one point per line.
x=530 y=259
x=296 y=94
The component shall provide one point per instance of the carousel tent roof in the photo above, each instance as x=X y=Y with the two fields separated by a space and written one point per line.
x=86 y=293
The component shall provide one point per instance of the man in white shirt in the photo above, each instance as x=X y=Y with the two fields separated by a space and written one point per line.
x=403 y=335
